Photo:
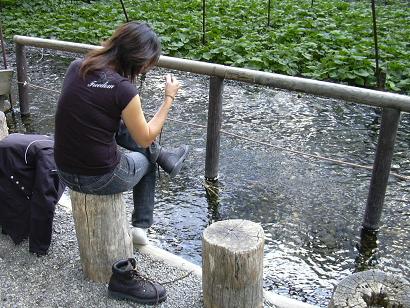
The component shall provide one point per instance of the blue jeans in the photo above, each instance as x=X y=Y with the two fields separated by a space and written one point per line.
x=135 y=171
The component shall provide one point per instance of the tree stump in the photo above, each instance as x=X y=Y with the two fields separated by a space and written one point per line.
x=4 y=131
x=232 y=264
x=371 y=289
x=102 y=233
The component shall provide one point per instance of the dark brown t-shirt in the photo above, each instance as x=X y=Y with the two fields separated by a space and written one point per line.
x=87 y=117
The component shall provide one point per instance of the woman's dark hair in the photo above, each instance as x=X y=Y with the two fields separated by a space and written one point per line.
x=134 y=46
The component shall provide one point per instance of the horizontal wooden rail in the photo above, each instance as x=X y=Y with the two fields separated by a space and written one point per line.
x=321 y=88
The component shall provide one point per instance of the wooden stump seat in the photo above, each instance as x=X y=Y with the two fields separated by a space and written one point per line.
x=102 y=233
x=232 y=264
x=5 y=81
x=371 y=289
x=5 y=86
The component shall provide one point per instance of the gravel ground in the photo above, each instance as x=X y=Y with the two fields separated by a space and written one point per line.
x=56 y=280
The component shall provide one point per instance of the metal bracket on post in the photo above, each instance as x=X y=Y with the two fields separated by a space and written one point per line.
x=381 y=168
x=214 y=126
x=21 y=64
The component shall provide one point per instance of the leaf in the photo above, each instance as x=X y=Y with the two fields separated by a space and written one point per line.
x=362 y=73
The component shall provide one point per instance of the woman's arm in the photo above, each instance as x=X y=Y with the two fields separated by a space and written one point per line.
x=143 y=132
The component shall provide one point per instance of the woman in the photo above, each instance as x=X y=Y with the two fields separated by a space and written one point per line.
x=99 y=107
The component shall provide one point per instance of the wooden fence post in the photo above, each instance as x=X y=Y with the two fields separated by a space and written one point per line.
x=232 y=264
x=102 y=233
x=214 y=125
x=381 y=168
x=21 y=64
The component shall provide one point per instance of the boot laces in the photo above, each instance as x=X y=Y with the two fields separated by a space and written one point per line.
x=144 y=280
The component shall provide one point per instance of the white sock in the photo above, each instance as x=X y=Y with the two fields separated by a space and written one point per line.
x=139 y=236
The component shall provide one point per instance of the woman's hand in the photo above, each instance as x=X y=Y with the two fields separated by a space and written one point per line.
x=171 y=86
x=142 y=132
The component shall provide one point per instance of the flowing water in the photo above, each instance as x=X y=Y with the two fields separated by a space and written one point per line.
x=311 y=210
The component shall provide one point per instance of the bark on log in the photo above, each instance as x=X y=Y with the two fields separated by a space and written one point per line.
x=371 y=289
x=232 y=264
x=4 y=131
x=102 y=233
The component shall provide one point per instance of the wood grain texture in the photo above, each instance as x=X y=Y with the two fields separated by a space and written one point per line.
x=102 y=233
x=371 y=289
x=232 y=264
x=4 y=131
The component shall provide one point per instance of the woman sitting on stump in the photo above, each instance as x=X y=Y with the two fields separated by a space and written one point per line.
x=100 y=108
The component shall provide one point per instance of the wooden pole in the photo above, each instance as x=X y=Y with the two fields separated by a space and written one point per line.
x=21 y=64
x=214 y=127
x=367 y=248
x=102 y=233
x=381 y=168
x=232 y=264
x=124 y=10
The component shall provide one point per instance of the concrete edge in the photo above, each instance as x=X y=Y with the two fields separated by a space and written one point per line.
x=169 y=258
x=281 y=301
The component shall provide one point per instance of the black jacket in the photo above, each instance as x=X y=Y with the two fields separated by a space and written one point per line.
x=29 y=189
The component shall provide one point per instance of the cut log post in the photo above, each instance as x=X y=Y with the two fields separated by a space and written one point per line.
x=4 y=131
x=5 y=81
x=102 y=233
x=371 y=289
x=232 y=264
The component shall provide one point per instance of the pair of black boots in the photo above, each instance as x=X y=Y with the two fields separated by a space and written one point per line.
x=127 y=283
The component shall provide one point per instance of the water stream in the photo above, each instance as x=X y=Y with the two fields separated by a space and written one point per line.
x=311 y=210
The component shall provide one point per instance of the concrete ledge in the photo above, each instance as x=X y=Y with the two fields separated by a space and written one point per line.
x=169 y=258
x=281 y=301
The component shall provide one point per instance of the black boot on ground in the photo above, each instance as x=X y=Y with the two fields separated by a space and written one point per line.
x=169 y=160
x=127 y=283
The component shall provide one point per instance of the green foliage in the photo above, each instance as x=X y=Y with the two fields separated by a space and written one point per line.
x=330 y=41
x=7 y=2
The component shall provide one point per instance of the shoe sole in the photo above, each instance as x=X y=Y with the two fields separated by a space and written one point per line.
x=178 y=165
x=121 y=296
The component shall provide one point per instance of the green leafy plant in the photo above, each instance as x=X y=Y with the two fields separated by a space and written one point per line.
x=330 y=41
